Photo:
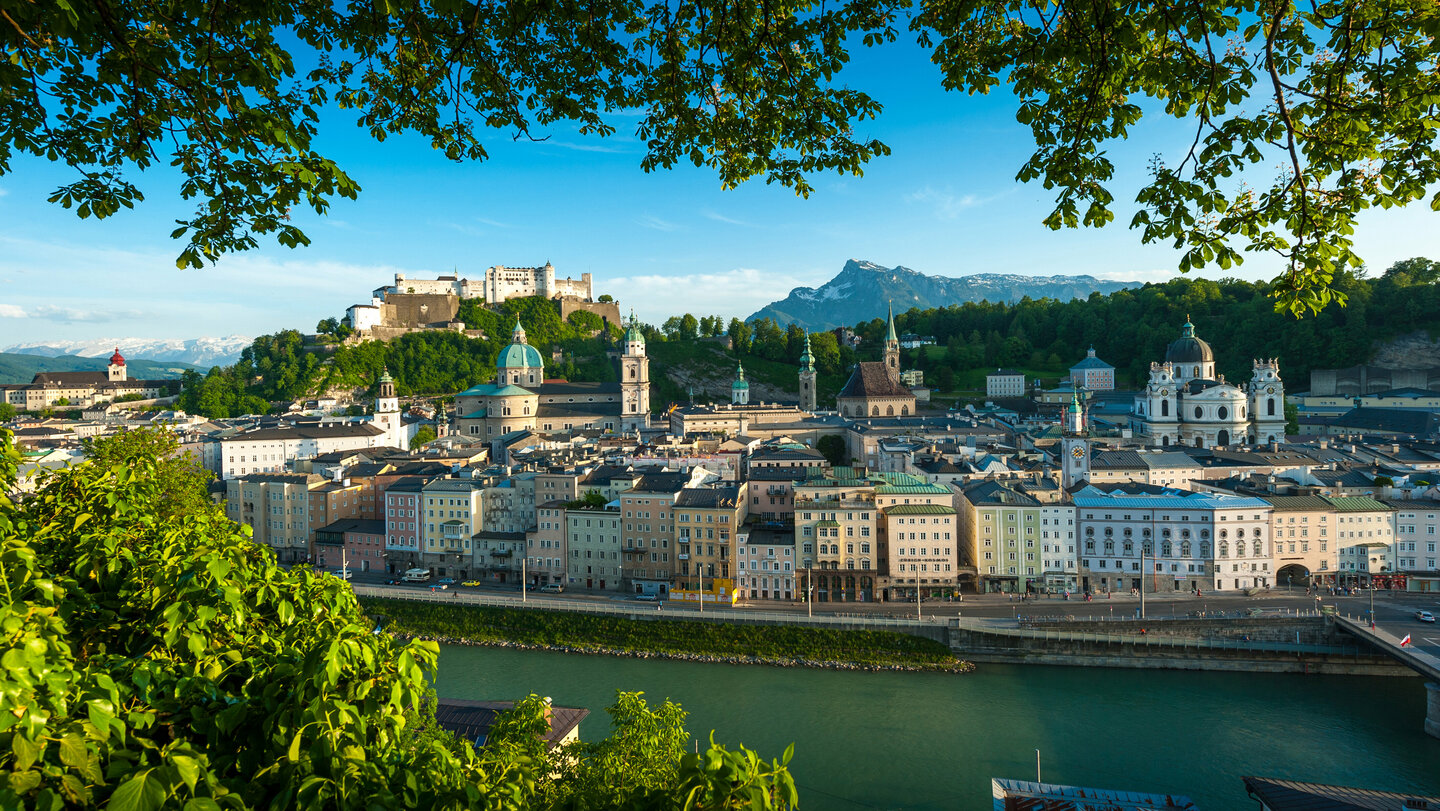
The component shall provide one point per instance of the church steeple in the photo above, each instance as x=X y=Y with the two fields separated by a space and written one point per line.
x=739 y=390
x=807 y=377
x=892 y=346
x=517 y=336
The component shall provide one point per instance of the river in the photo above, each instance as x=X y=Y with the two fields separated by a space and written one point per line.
x=928 y=741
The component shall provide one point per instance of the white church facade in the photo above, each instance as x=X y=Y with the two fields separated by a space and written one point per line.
x=1187 y=403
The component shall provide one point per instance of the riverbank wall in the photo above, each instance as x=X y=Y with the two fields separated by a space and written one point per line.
x=1306 y=645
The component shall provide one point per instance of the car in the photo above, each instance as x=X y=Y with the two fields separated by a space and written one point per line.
x=445 y=581
x=552 y=588
x=471 y=583
x=1424 y=616
x=647 y=598
x=343 y=574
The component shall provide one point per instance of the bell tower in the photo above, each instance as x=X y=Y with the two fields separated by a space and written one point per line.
x=807 y=378
x=1074 y=445
x=634 y=380
x=892 y=346
x=387 y=412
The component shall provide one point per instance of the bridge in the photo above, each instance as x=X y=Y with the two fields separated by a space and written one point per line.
x=1421 y=662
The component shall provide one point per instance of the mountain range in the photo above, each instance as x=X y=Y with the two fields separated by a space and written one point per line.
x=203 y=352
x=860 y=292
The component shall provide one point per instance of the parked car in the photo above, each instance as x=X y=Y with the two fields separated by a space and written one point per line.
x=341 y=573
x=471 y=583
x=552 y=588
x=647 y=598
x=445 y=581
x=1424 y=616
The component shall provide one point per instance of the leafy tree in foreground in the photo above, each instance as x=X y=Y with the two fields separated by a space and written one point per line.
x=1338 y=94
x=163 y=660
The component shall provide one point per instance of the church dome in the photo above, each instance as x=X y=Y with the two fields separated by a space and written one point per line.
x=1189 y=349
x=117 y=359
x=519 y=356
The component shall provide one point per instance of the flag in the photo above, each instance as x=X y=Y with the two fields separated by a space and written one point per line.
x=1405 y=641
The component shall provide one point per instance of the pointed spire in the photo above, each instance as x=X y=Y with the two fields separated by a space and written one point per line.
x=739 y=370
x=517 y=335
x=1187 y=331
x=807 y=359
x=890 y=323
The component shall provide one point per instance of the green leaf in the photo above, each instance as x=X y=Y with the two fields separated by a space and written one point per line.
x=188 y=768
x=72 y=750
x=25 y=751
x=139 y=793
x=294 y=753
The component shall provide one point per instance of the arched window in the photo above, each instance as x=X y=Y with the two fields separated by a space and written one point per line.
x=1197 y=371
x=1164 y=408
x=890 y=411
x=1204 y=549
x=1270 y=406
x=1166 y=549
x=904 y=411
x=1259 y=550
x=865 y=564
x=1147 y=546
x=874 y=411
x=632 y=373
x=1224 y=549
x=1185 y=549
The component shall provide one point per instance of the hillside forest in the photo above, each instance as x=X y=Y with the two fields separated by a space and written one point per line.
x=1128 y=328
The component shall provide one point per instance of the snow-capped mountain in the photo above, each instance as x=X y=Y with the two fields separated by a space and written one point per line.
x=861 y=290
x=199 y=351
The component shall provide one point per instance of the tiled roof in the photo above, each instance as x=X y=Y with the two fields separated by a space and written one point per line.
x=472 y=720
x=708 y=497
x=1348 y=504
x=872 y=379
x=911 y=490
x=995 y=493
x=920 y=509
x=308 y=432
x=1294 y=503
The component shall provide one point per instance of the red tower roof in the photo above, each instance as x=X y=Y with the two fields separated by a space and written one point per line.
x=117 y=359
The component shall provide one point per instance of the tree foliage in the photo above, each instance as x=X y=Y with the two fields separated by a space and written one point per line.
x=154 y=659
x=1339 y=95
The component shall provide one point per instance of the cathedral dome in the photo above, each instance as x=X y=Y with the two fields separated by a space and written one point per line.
x=1189 y=349
x=117 y=359
x=519 y=356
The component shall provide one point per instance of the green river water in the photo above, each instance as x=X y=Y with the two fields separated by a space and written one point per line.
x=923 y=741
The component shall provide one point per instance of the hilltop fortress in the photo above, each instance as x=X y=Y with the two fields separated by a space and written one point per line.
x=411 y=305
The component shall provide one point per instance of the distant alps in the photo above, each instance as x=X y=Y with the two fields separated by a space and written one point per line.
x=860 y=292
x=204 y=352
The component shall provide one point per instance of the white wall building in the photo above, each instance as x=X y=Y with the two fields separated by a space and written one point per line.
x=1417 y=533
x=765 y=564
x=502 y=283
x=1189 y=541
x=1005 y=383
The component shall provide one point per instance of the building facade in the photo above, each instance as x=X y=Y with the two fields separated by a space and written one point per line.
x=1187 y=403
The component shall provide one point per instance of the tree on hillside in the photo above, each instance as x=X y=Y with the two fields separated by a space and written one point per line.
x=833 y=447
x=739 y=332
x=1338 y=94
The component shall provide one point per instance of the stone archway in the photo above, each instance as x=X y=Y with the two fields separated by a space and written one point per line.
x=1292 y=574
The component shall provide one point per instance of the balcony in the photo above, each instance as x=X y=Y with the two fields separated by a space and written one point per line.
x=683 y=556
x=501 y=553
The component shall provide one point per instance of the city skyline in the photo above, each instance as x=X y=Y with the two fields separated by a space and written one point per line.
x=651 y=240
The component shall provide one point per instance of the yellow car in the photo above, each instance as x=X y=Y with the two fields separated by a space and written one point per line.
x=471 y=583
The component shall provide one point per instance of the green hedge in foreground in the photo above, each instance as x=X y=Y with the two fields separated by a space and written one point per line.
x=559 y=628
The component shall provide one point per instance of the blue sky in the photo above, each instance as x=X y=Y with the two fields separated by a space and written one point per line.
x=945 y=202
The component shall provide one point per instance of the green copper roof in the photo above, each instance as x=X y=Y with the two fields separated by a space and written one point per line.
x=890 y=332
x=920 y=509
x=740 y=377
x=518 y=356
x=633 y=333
x=911 y=490
x=807 y=360
x=385 y=376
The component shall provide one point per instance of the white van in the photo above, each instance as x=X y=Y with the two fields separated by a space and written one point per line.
x=416 y=575
x=552 y=588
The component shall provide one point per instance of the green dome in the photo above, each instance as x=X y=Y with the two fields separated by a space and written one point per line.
x=519 y=356
x=739 y=384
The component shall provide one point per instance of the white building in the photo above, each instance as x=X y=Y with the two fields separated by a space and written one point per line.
x=1005 y=383
x=1057 y=544
x=1186 y=403
x=1417 y=531
x=1366 y=535
x=502 y=283
x=1190 y=541
x=765 y=564
x=272 y=450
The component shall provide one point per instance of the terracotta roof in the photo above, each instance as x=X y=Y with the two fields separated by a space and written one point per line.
x=872 y=379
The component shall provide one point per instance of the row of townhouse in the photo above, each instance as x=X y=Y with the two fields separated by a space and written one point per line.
x=1169 y=540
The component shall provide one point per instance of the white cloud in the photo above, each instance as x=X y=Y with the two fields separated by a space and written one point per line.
x=12 y=311
x=718 y=217
x=3 y=192
x=945 y=204
x=655 y=223
x=731 y=293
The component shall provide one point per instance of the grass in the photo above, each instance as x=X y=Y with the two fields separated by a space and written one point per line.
x=777 y=643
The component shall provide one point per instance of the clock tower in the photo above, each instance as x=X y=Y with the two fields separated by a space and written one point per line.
x=1074 y=445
